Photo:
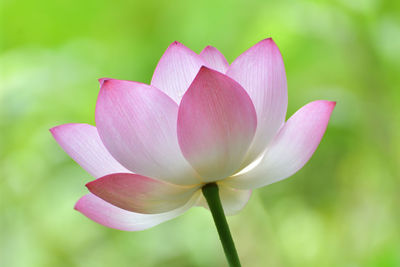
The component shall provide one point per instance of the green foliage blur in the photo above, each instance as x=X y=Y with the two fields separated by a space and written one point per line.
x=341 y=209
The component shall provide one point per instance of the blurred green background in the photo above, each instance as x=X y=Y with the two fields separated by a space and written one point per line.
x=341 y=209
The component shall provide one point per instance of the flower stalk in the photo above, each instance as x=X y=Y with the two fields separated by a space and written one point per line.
x=211 y=194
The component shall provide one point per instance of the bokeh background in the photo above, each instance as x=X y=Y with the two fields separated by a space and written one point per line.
x=341 y=209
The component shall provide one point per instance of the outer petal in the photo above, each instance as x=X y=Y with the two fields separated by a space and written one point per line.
x=233 y=200
x=214 y=59
x=261 y=72
x=111 y=216
x=216 y=124
x=176 y=70
x=82 y=143
x=137 y=124
x=291 y=148
x=140 y=194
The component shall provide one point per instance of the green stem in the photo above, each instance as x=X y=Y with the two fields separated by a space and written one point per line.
x=210 y=192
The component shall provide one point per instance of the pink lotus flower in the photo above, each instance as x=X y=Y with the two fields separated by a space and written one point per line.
x=200 y=121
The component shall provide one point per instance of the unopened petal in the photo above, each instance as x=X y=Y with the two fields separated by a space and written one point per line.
x=214 y=59
x=291 y=148
x=261 y=72
x=176 y=70
x=137 y=124
x=111 y=216
x=140 y=194
x=216 y=124
x=82 y=143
